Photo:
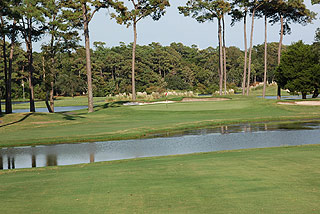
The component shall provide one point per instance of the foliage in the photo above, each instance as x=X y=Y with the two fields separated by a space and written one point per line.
x=299 y=69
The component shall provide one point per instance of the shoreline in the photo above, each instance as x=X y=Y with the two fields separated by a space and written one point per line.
x=159 y=132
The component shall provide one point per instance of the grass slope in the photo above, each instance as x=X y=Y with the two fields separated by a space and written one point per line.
x=113 y=121
x=58 y=102
x=276 y=180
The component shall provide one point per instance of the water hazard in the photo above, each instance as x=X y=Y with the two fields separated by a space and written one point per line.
x=203 y=140
x=56 y=109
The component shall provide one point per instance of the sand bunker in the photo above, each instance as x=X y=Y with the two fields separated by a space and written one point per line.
x=302 y=103
x=203 y=99
x=183 y=100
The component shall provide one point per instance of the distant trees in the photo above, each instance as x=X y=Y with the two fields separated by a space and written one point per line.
x=65 y=68
x=299 y=70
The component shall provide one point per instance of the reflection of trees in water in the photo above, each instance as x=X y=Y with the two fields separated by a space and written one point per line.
x=11 y=163
x=34 y=162
x=1 y=163
x=52 y=160
x=33 y=157
x=224 y=130
x=92 y=158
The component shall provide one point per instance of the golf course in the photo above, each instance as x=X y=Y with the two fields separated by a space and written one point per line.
x=270 y=180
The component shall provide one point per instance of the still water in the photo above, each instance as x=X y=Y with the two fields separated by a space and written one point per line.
x=289 y=97
x=232 y=137
x=56 y=109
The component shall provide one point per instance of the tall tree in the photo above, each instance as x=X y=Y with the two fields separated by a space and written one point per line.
x=287 y=11
x=209 y=10
x=238 y=14
x=4 y=53
x=63 y=36
x=9 y=16
x=264 y=10
x=32 y=27
x=140 y=10
x=84 y=11
x=254 y=6
x=265 y=57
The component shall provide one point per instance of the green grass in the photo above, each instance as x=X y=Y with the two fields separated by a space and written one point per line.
x=59 y=102
x=114 y=121
x=270 y=91
x=276 y=180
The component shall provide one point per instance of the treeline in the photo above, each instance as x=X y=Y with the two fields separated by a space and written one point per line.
x=158 y=68
x=65 y=68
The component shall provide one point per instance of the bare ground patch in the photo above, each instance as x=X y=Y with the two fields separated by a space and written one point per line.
x=301 y=103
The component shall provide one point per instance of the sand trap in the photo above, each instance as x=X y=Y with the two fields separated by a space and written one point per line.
x=183 y=100
x=301 y=103
x=203 y=99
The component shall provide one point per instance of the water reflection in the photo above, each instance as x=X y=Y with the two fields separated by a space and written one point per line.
x=34 y=162
x=56 y=109
x=52 y=160
x=91 y=158
x=1 y=162
x=259 y=135
x=11 y=164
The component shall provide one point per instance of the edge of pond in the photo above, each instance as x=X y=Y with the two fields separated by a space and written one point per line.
x=82 y=165
x=158 y=132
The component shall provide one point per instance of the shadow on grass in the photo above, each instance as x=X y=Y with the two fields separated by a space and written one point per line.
x=70 y=115
x=18 y=121
x=109 y=105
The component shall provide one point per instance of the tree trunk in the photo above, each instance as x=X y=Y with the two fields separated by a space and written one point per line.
x=279 y=54
x=5 y=68
x=304 y=95
x=133 y=60
x=245 y=55
x=265 y=58
x=220 y=58
x=47 y=103
x=315 y=93
x=52 y=53
x=250 y=51
x=30 y=65
x=9 y=105
x=224 y=58
x=88 y=57
x=51 y=97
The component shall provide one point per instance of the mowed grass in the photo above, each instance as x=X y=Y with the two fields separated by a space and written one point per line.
x=276 y=180
x=59 y=102
x=114 y=121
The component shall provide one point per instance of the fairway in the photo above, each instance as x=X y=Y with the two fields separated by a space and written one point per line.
x=276 y=180
x=113 y=121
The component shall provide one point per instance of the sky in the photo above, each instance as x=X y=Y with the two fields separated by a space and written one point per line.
x=174 y=27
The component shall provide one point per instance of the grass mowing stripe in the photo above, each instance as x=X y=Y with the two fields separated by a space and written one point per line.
x=274 y=180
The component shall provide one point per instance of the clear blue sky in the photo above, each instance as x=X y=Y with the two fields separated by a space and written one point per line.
x=174 y=27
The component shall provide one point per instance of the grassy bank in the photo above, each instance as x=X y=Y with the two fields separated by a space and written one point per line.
x=114 y=121
x=276 y=180
x=58 y=102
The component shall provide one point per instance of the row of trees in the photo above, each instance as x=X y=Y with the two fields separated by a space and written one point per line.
x=176 y=67
x=28 y=20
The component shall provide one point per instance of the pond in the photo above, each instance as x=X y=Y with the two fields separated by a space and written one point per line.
x=232 y=137
x=56 y=109
x=290 y=97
